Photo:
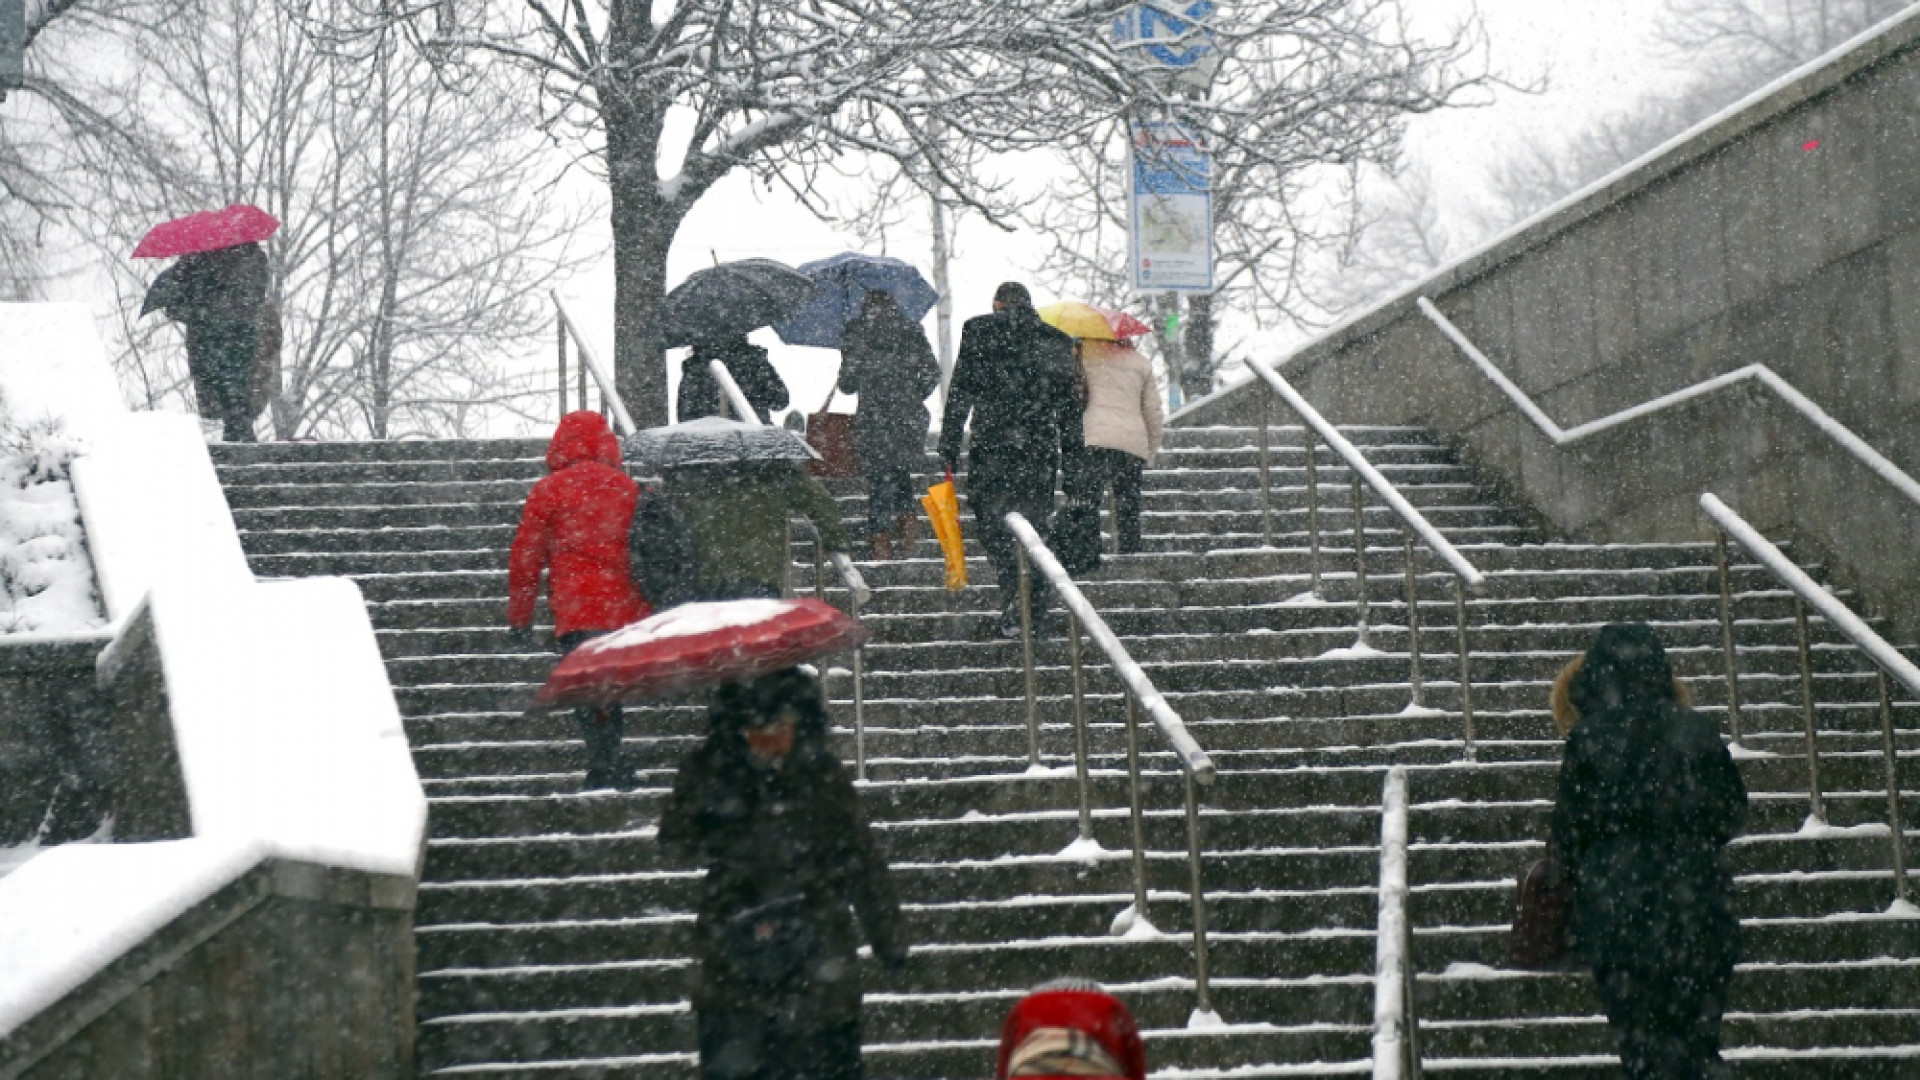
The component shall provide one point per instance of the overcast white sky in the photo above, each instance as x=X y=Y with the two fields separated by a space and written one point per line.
x=1596 y=54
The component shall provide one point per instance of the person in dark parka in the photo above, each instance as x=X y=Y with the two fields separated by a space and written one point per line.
x=739 y=515
x=1015 y=378
x=700 y=392
x=1649 y=797
x=887 y=360
x=220 y=298
x=772 y=815
x=575 y=527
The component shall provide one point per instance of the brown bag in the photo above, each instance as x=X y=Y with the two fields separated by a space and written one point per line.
x=831 y=436
x=1544 y=900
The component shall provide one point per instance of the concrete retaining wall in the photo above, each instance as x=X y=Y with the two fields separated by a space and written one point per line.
x=1741 y=243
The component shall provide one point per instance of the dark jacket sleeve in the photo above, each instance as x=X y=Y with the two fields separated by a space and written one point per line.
x=810 y=499
x=758 y=380
x=961 y=391
x=692 y=813
x=871 y=880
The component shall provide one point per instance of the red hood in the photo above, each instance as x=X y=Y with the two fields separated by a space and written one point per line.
x=582 y=436
x=1099 y=1015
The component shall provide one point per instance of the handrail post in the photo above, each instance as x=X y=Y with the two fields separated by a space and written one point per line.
x=1026 y=654
x=1202 y=992
x=560 y=336
x=1413 y=628
x=1816 y=801
x=1313 y=511
x=1360 y=555
x=1466 y=669
x=819 y=570
x=580 y=387
x=1139 y=815
x=859 y=693
x=1726 y=634
x=1896 y=821
x=1080 y=727
x=1266 y=481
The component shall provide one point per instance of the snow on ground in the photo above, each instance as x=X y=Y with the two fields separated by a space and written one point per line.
x=44 y=566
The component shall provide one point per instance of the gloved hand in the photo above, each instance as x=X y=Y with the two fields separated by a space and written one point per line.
x=521 y=638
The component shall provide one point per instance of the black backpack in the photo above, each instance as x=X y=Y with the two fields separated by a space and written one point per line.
x=661 y=554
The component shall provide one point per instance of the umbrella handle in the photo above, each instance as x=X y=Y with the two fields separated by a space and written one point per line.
x=949 y=474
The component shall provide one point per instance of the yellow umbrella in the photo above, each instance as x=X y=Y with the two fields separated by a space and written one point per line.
x=943 y=510
x=1075 y=319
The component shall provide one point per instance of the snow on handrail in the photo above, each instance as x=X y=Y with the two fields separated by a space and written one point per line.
x=1759 y=373
x=735 y=396
x=1192 y=757
x=1359 y=464
x=601 y=375
x=1392 y=971
x=1838 y=615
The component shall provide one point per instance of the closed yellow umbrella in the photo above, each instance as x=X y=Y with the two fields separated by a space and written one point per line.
x=943 y=511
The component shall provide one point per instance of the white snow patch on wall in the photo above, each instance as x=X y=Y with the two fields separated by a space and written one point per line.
x=47 y=576
x=74 y=909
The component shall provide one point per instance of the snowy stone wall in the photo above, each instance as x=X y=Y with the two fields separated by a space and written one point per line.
x=251 y=739
x=1784 y=232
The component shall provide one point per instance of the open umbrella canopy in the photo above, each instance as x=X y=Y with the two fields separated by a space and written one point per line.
x=1075 y=319
x=714 y=440
x=699 y=645
x=841 y=284
x=732 y=299
x=208 y=230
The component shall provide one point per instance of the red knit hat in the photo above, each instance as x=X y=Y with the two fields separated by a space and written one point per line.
x=1101 y=1017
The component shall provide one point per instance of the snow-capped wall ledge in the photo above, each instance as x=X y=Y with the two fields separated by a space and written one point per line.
x=274 y=700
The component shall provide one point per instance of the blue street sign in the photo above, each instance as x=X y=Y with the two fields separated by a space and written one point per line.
x=1171 y=36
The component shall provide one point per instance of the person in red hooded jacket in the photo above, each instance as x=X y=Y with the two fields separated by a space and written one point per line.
x=575 y=527
x=1070 y=1027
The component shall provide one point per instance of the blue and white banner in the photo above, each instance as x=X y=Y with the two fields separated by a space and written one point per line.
x=1169 y=210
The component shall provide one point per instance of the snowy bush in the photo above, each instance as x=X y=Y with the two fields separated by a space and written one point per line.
x=45 y=573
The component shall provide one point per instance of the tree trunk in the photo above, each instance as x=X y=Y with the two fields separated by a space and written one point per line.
x=643 y=229
x=1196 y=373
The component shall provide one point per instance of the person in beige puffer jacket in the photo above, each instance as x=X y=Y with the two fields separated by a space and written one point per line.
x=1123 y=423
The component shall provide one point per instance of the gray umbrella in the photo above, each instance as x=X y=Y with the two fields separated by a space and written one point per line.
x=732 y=299
x=713 y=440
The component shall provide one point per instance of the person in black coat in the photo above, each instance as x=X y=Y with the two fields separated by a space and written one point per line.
x=748 y=364
x=220 y=298
x=771 y=814
x=1015 y=377
x=886 y=359
x=1649 y=798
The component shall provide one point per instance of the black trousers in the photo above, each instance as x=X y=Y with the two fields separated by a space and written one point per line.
x=220 y=357
x=602 y=729
x=1667 y=1024
x=754 y=1044
x=1098 y=468
x=995 y=487
x=890 y=493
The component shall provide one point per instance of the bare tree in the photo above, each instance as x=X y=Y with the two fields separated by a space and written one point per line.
x=1321 y=88
x=1400 y=235
x=1731 y=47
x=415 y=247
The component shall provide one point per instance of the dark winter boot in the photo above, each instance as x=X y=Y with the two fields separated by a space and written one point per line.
x=906 y=537
x=602 y=732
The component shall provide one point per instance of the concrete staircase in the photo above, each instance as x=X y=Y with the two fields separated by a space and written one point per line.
x=553 y=936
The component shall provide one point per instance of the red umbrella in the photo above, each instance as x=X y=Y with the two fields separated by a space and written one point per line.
x=208 y=230
x=697 y=645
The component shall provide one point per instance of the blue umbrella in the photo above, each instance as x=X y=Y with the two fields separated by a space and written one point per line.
x=840 y=284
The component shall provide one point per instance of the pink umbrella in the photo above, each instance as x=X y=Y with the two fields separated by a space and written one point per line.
x=699 y=645
x=208 y=230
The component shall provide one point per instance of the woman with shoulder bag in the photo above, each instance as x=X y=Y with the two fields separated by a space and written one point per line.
x=769 y=812
x=1649 y=797
x=886 y=359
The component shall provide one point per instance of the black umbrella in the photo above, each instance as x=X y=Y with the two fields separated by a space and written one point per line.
x=714 y=440
x=166 y=291
x=732 y=299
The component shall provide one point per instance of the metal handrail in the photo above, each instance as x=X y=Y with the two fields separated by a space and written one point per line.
x=1196 y=767
x=1887 y=662
x=1396 y=1023
x=732 y=393
x=590 y=362
x=1466 y=577
x=857 y=591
